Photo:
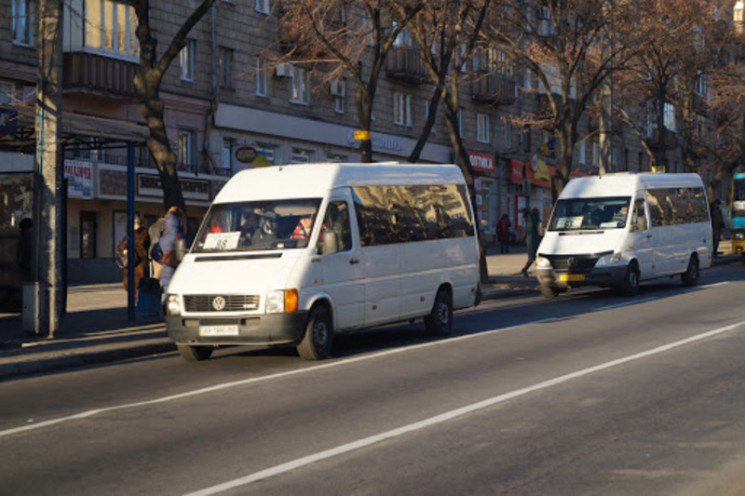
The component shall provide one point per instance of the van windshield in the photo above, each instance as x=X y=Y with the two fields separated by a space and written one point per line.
x=590 y=213
x=260 y=225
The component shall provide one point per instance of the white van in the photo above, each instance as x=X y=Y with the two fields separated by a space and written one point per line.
x=619 y=229
x=293 y=254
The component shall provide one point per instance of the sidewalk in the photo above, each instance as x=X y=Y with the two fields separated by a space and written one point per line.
x=96 y=329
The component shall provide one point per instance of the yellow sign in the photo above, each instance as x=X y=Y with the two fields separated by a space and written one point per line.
x=362 y=135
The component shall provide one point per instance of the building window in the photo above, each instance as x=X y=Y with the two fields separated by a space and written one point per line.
x=225 y=62
x=266 y=150
x=261 y=79
x=426 y=116
x=669 y=117
x=110 y=26
x=402 y=109
x=187 y=60
x=23 y=22
x=7 y=92
x=595 y=155
x=338 y=90
x=261 y=6
x=335 y=157
x=482 y=128
x=582 y=152
x=508 y=135
x=300 y=85
x=186 y=149
x=227 y=156
x=301 y=156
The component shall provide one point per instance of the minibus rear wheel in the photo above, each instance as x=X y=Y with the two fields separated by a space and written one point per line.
x=439 y=322
x=319 y=335
x=194 y=353
x=690 y=276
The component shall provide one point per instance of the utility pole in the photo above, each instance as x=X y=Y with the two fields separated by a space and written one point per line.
x=48 y=172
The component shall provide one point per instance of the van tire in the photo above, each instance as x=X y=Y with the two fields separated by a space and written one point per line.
x=630 y=284
x=194 y=353
x=549 y=291
x=439 y=322
x=319 y=335
x=690 y=276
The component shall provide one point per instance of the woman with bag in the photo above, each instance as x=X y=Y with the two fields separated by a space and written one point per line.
x=175 y=231
x=142 y=244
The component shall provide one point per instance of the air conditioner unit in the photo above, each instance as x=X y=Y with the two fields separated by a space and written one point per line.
x=283 y=70
x=336 y=87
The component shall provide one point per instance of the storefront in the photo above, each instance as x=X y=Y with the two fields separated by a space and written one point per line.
x=486 y=193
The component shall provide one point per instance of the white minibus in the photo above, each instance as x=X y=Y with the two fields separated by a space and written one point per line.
x=619 y=229
x=293 y=254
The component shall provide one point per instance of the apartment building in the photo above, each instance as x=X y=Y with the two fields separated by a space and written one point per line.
x=228 y=107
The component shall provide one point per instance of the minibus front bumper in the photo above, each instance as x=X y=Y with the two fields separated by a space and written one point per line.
x=598 y=276
x=280 y=328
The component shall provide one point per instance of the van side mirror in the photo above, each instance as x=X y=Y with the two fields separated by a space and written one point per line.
x=180 y=248
x=329 y=242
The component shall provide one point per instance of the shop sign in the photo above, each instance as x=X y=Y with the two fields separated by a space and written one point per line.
x=516 y=171
x=245 y=154
x=191 y=189
x=483 y=163
x=79 y=175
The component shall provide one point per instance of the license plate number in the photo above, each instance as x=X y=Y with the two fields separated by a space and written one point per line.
x=572 y=277
x=218 y=330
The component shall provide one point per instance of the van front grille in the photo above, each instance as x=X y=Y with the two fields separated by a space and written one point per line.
x=220 y=303
x=573 y=263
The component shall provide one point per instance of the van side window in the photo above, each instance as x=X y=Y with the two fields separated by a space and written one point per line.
x=672 y=206
x=337 y=220
x=405 y=214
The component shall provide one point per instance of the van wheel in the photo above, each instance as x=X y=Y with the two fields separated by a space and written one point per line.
x=319 y=335
x=439 y=322
x=549 y=291
x=194 y=353
x=690 y=276
x=630 y=285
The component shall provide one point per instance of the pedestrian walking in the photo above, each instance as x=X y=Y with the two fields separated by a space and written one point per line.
x=532 y=237
x=175 y=230
x=142 y=245
x=717 y=224
x=503 y=233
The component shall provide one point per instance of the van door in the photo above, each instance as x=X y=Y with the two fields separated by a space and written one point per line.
x=342 y=269
x=640 y=237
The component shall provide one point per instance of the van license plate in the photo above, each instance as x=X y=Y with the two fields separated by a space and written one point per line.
x=218 y=330
x=572 y=277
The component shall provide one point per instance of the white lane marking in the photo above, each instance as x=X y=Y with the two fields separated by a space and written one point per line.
x=625 y=303
x=450 y=415
x=278 y=375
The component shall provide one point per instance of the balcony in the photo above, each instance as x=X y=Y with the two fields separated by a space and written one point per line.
x=405 y=64
x=494 y=89
x=99 y=75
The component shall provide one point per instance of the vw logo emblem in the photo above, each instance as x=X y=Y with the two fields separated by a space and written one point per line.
x=218 y=303
x=571 y=261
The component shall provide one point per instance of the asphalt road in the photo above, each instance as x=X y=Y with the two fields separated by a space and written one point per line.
x=592 y=393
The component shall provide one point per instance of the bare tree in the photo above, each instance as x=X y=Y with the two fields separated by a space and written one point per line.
x=148 y=81
x=561 y=44
x=354 y=38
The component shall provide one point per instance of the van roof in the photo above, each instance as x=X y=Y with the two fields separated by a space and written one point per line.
x=316 y=179
x=624 y=183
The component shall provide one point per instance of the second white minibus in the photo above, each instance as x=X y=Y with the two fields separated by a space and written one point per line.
x=619 y=229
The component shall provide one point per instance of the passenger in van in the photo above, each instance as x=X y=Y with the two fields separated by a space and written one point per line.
x=304 y=225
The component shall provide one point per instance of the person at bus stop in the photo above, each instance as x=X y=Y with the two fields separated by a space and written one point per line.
x=175 y=231
x=142 y=245
x=532 y=237
x=503 y=233
x=717 y=224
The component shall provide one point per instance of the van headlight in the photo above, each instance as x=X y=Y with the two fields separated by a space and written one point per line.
x=543 y=263
x=283 y=300
x=608 y=259
x=173 y=305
